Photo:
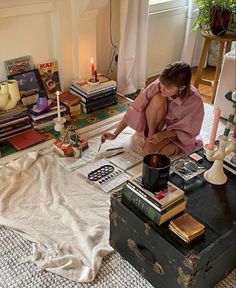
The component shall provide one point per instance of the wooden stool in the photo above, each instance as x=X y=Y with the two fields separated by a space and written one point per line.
x=225 y=39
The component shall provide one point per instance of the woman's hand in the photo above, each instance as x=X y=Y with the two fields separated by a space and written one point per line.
x=157 y=137
x=107 y=136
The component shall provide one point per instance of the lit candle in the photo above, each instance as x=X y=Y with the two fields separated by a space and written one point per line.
x=92 y=66
x=230 y=121
x=58 y=107
x=214 y=129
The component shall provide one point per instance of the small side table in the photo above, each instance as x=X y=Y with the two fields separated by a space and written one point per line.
x=225 y=46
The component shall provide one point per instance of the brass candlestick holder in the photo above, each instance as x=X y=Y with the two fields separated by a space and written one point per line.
x=216 y=175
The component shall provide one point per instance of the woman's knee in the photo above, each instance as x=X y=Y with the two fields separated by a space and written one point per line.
x=158 y=102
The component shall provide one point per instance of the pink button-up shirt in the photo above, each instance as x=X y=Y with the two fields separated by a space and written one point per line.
x=184 y=117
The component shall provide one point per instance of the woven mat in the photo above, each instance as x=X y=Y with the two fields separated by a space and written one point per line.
x=114 y=273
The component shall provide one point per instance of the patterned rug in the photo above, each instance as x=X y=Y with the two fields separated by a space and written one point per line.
x=75 y=122
x=115 y=272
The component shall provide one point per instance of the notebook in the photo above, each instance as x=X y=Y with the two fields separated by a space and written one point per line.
x=26 y=139
x=186 y=227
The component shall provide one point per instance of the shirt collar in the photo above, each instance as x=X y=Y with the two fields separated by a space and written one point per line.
x=176 y=100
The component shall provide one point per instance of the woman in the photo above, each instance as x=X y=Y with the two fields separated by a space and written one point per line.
x=169 y=112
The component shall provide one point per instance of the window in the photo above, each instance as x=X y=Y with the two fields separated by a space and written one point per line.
x=162 y=5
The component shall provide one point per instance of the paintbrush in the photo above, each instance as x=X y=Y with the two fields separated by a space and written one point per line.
x=99 y=147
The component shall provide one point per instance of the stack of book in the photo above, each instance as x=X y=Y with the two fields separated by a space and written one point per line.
x=96 y=96
x=43 y=119
x=160 y=206
x=72 y=102
x=186 y=227
x=13 y=122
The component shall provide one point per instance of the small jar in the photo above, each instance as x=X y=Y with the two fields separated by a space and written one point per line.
x=42 y=101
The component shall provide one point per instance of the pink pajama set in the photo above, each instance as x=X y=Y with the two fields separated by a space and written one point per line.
x=184 y=117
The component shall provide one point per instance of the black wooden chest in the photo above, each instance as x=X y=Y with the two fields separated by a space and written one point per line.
x=165 y=260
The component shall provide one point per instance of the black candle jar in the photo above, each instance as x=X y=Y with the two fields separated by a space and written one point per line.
x=155 y=173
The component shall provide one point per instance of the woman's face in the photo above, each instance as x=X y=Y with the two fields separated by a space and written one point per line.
x=168 y=90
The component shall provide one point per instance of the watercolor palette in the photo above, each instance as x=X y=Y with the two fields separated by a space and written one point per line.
x=104 y=175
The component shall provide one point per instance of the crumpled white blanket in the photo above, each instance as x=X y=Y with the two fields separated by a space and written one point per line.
x=67 y=218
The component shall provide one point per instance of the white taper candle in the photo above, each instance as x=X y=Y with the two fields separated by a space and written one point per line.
x=58 y=107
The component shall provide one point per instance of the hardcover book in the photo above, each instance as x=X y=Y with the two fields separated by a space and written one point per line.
x=69 y=99
x=8 y=115
x=49 y=73
x=160 y=199
x=92 y=96
x=18 y=65
x=26 y=139
x=104 y=104
x=6 y=135
x=14 y=122
x=98 y=101
x=129 y=198
x=52 y=110
x=186 y=227
x=104 y=83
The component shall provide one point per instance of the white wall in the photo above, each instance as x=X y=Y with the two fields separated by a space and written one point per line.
x=64 y=30
x=104 y=48
x=73 y=31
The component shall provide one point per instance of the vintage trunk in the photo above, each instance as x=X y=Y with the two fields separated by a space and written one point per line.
x=165 y=260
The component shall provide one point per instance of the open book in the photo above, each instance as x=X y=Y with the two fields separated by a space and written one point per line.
x=126 y=160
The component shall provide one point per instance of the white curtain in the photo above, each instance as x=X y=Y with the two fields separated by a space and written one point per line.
x=192 y=41
x=132 y=60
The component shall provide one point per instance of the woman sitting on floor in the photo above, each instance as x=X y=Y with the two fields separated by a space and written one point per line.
x=169 y=112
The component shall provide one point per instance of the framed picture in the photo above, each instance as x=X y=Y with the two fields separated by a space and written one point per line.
x=29 y=83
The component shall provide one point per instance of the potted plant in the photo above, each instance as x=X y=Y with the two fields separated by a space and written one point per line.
x=218 y=16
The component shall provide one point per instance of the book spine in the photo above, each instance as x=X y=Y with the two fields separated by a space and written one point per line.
x=165 y=197
x=101 y=106
x=76 y=91
x=14 y=132
x=48 y=118
x=99 y=101
x=6 y=115
x=91 y=90
x=12 y=126
x=144 y=196
x=13 y=121
x=84 y=99
x=141 y=205
x=47 y=114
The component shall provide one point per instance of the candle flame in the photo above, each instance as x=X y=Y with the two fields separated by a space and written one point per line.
x=57 y=93
x=92 y=60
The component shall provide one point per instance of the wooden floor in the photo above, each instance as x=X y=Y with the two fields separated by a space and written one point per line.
x=205 y=91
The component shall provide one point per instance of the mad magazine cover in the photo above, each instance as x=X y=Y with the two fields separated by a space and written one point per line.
x=18 y=65
x=49 y=73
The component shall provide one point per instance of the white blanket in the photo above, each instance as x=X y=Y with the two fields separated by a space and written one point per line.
x=66 y=217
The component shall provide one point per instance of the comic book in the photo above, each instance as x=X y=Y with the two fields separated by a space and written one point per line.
x=50 y=76
x=18 y=65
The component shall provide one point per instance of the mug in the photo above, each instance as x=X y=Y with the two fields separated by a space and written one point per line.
x=155 y=173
